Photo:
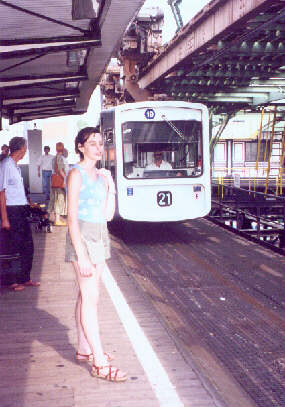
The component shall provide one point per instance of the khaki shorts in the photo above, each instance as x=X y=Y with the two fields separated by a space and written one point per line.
x=95 y=238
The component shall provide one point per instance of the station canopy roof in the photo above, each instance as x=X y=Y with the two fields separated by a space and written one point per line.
x=51 y=53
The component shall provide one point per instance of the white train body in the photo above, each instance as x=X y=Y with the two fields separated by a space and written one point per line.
x=134 y=134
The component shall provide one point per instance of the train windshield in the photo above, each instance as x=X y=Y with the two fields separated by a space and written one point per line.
x=162 y=149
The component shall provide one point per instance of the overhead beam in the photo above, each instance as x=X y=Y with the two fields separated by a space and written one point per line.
x=27 y=110
x=261 y=89
x=214 y=20
x=21 y=99
x=226 y=70
x=246 y=91
x=271 y=97
x=16 y=83
x=45 y=116
x=43 y=102
x=227 y=98
x=44 y=111
x=35 y=48
x=278 y=79
x=266 y=98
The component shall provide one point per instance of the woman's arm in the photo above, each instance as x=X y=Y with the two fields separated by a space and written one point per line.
x=5 y=224
x=110 y=204
x=73 y=190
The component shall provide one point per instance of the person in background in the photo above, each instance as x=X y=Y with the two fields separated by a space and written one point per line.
x=14 y=211
x=91 y=203
x=57 y=203
x=45 y=164
x=65 y=156
x=4 y=152
x=158 y=163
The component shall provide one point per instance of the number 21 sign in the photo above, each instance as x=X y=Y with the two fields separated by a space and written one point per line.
x=164 y=198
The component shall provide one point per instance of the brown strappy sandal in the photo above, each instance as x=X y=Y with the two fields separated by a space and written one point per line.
x=89 y=358
x=108 y=372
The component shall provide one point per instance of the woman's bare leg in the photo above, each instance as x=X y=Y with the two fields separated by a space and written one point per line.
x=88 y=321
x=83 y=347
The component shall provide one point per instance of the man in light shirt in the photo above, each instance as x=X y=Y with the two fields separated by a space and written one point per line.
x=14 y=210
x=158 y=163
x=45 y=164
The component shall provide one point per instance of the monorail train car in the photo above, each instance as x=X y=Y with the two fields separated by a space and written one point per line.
x=158 y=153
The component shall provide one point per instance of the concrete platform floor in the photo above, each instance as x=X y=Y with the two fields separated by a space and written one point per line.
x=38 y=343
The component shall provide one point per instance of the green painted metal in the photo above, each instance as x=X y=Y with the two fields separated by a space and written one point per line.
x=237 y=64
x=174 y=4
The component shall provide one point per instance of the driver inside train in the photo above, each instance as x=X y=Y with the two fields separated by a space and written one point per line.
x=153 y=150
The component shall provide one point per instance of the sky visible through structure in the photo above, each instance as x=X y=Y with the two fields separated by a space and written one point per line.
x=188 y=8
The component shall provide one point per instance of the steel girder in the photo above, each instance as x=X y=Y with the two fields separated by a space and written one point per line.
x=220 y=55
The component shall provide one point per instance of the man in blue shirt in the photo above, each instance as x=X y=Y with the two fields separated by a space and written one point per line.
x=14 y=210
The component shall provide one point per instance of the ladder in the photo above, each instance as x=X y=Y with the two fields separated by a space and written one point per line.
x=270 y=150
x=281 y=165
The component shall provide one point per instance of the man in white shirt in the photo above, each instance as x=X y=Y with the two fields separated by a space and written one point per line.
x=158 y=163
x=45 y=163
x=14 y=211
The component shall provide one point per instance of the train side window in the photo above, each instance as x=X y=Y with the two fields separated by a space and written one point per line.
x=109 y=149
x=109 y=136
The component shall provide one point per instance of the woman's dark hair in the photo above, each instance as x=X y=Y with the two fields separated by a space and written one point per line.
x=16 y=143
x=83 y=136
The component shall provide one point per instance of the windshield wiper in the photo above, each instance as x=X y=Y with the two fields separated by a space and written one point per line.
x=177 y=131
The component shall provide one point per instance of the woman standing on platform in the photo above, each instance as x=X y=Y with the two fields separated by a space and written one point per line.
x=91 y=203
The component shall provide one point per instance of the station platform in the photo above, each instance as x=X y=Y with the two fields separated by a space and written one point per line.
x=38 y=342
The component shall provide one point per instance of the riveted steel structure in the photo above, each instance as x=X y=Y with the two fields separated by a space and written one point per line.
x=230 y=56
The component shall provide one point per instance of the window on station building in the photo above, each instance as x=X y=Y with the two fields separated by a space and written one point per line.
x=238 y=152
x=220 y=152
x=251 y=148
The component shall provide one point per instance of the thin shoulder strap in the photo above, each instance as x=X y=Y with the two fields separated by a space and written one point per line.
x=79 y=169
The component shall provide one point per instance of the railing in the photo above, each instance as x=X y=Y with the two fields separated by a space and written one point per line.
x=247 y=170
x=253 y=183
x=254 y=215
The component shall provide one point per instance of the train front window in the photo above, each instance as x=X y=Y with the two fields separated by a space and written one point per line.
x=162 y=149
